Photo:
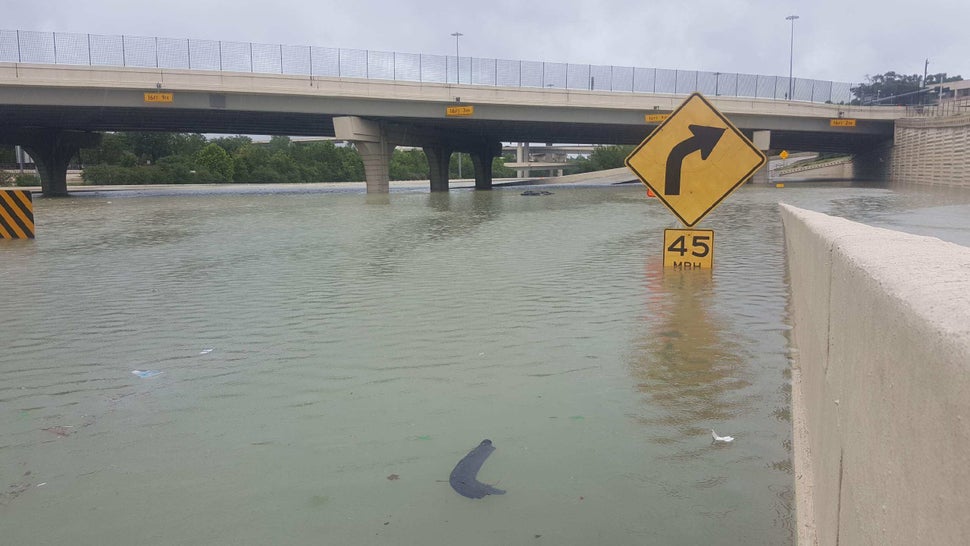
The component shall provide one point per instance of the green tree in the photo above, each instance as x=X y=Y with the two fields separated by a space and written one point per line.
x=109 y=151
x=150 y=147
x=249 y=159
x=409 y=165
x=214 y=159
x=278 y=143
x=602 y=158
x=232 y=144
x=893 y=88
x=285 y=167
x=499 y=170
x=187 y=144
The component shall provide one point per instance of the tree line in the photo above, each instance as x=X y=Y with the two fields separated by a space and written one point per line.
x=896 y=88
x=183 y=158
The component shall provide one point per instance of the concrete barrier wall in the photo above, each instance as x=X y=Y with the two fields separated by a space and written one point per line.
x=881 y=383
x=932 y=151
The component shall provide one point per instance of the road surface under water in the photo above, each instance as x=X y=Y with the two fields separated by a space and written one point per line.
x=327 y=358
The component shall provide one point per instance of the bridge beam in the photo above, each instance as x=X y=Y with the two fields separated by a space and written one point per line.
x=439 y=158
x=52 y=151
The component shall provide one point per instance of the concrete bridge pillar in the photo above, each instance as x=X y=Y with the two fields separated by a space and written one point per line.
x=482 y=158
x=439 y=157
x=52 y=151
x=377 y=164
x=522 y=156
x=373 y=146
x=761 y=140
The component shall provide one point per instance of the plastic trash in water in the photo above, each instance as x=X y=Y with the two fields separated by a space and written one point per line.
x=144 y=374
x=205 y=351
x=721 y=438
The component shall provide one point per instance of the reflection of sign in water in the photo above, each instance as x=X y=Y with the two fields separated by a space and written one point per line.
x=159 y=97
x=694 y=159
x=459 y=111
x=689 y=248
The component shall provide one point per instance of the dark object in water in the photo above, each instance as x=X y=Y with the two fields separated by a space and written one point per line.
x=464 y=478
x=536 y=192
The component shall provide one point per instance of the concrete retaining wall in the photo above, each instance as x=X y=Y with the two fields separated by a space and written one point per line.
x=932 y=151
x=881 y=383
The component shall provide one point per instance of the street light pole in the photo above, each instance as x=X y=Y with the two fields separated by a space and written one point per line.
x=458 y=35
x=457 y=56
x=791 y=56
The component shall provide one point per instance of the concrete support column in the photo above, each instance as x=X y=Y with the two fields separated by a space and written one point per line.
x=377 y=163
x=52 y=151
x=482 y=159
x=373 y=146
x=439 y=157
x=522 y=156
x=762 y=140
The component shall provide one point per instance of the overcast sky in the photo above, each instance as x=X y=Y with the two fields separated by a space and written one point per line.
x=834 y=40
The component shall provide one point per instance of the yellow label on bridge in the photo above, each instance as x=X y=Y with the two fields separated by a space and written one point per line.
x=655 y=118
x=842 y=122
x=159 y=97
x=460 y=111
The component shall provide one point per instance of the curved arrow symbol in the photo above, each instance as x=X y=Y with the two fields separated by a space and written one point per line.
x=704 y=140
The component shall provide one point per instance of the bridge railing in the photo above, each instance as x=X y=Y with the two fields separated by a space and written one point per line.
x=20 y=46
x=946 y=107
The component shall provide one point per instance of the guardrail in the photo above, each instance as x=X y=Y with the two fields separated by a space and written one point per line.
x=796 y=168
x=21 y=46
x=946 y=107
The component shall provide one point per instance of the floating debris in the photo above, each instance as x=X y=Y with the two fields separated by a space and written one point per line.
x=144 y=374
x=536 y=192
x=464 y=478
x=205 y=351
x=721 y=438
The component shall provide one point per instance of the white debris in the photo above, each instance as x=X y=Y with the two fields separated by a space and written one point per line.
x=721 y=438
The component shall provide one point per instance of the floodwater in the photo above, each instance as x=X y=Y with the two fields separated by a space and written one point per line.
x=326 y=359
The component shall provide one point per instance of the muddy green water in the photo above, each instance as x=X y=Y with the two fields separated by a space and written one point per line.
x=327 y=358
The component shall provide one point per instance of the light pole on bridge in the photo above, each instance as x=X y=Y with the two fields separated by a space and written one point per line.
x=457 y=57
x=791 y=56
x=458 y=35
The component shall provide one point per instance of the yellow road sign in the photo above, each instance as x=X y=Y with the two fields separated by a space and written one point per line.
x=783 y=154
x=842 y=122
x=694 y=159
x=159 y=97
x=16 y=214
x=655 y=118
x=689 y=248
x=459 y=111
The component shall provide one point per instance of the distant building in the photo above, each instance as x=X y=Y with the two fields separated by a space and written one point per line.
x=953 y=90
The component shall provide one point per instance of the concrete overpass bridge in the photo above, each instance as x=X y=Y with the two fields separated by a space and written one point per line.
x=53 y=109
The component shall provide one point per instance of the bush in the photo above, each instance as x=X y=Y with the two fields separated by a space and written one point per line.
x=22 y=180
x=6 y=179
